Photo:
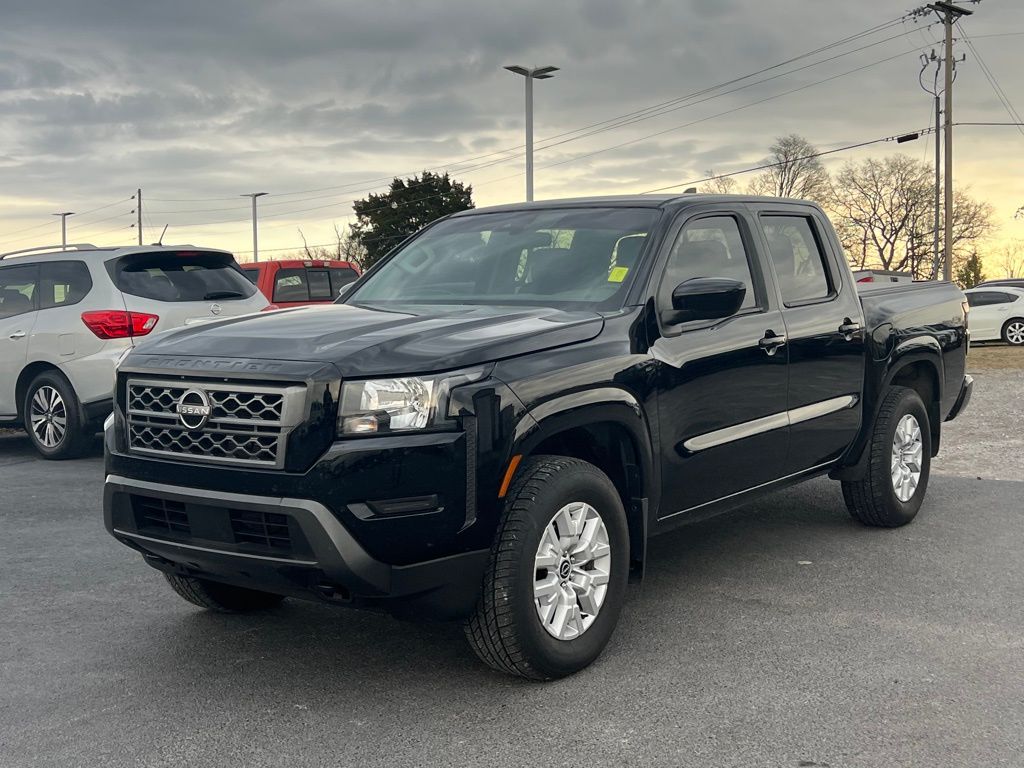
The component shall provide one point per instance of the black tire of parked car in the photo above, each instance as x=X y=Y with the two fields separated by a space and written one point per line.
x=1016 y=323
x=222 y=598
x=77 y=430
x=872 y=500
x=505 y=631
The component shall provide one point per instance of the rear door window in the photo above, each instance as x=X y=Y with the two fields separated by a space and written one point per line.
x=181 y=276
x=63 y=283
x=799 y=259
x=18 y=290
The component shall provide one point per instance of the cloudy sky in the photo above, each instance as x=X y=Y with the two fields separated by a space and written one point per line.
x=320 y=101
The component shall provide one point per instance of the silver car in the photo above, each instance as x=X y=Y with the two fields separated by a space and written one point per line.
x=66 y=317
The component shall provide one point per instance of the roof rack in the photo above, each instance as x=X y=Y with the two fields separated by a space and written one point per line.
x=60 y=248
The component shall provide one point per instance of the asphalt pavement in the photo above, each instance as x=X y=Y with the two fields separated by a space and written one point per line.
x=783 y=634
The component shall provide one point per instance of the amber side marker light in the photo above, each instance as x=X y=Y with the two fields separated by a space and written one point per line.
x=512 y=466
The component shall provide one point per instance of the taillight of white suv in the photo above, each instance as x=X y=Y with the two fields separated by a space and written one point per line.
x=119 y=324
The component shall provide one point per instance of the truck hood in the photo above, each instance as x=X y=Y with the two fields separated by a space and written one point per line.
x=361 y=341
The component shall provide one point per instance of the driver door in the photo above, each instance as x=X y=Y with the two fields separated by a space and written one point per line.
x=722 y=389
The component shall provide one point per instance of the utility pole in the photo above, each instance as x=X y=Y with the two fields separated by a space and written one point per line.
x=255 y=245
x=64 y=228
x=936 y=92
x=948 y=14
x=536 y=73
x=138 y=211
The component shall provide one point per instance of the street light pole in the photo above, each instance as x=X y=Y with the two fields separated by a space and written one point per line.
x=64 y=228
x=536 y=73
x=255 y=244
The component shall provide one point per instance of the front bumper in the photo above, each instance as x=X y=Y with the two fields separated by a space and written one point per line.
x=287 y=546
x=963 y=399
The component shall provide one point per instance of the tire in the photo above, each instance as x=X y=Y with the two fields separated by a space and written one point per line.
x=876 y=499
x=222 y=598
x=506 y=630
x=1013 y=332
x=54 y=419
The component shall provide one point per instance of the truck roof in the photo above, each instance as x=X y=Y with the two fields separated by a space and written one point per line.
x=635 y=201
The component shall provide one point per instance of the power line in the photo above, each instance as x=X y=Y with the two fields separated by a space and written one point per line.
x=765 y=166
x=992 y=81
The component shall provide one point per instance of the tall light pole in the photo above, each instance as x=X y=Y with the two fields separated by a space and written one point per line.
x=536 y=73
x=255 y=246
x=64 y=228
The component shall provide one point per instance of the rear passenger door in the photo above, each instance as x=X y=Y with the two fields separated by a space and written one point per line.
x=823 y=316
x=19 y=288
x=59 y=334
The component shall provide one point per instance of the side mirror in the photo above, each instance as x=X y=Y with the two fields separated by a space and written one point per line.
x=705 y=298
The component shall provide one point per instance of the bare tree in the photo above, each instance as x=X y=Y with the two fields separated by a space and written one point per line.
x=795 y=171
x=1011 y=259
x=884 y=212
x=344 y=248
x=719 y=185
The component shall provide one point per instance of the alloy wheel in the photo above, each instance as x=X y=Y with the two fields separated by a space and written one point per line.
x=572 y=569
x=48 y=416
x=1015 y=332
x=907 y=455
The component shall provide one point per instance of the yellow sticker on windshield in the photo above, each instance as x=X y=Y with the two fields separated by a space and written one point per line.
x=618 y=274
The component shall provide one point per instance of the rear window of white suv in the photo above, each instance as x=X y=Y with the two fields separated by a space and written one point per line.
x=181 y=276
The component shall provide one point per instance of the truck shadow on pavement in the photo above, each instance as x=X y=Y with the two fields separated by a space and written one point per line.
x=306 y=652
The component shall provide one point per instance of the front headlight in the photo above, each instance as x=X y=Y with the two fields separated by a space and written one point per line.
x=401 y=404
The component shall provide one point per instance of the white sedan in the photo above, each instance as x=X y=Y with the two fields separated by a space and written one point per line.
x=997 y=313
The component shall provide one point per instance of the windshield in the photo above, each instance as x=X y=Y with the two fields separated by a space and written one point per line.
x=566 y=258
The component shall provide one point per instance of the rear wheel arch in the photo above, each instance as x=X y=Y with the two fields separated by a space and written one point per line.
x=27 y=376
x=922 y=376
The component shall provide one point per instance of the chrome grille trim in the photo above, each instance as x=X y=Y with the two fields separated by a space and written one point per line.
x=248 y=424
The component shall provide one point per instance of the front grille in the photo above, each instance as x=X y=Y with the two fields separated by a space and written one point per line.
x=265 y=529
x=247 y=425
x=163 y=515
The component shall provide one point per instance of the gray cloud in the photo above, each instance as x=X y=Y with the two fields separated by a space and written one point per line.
x=199 y=99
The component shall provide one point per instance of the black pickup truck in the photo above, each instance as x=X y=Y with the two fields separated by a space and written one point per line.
x=492 y=422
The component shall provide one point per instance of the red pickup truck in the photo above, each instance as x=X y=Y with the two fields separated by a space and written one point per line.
x=294 y=283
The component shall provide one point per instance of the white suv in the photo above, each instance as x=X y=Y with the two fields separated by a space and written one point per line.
x=66 y=317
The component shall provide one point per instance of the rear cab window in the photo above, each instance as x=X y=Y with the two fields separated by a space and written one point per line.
x=181 y=276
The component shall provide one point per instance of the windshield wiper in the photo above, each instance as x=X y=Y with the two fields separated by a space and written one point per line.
x=223 y=295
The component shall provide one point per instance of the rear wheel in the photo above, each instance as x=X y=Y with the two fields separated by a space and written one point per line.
x=222 y=598
x=1013 y=332
x=892 y=490
x=556 y=582
x=54 y=419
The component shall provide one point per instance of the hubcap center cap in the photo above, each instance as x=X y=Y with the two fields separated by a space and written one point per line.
x=564 y=569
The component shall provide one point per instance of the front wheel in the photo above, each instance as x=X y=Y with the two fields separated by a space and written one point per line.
x=557 y=577
x=1013 y=332
x=892 y=490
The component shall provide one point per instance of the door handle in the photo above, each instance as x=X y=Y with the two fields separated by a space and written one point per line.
x=17 y=335
x=848 y=329
x=771 y=342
